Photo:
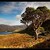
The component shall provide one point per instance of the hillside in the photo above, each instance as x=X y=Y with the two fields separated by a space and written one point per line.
x=22 y=41
x=11 y=28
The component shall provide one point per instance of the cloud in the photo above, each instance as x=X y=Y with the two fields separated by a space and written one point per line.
x=11 y=6
x=8 y=7
x=9 y=22
x=18 y=17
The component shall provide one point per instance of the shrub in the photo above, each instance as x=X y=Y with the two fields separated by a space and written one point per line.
x=41 y=29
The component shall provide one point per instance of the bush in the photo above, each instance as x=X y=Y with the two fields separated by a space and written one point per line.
x=41 y=29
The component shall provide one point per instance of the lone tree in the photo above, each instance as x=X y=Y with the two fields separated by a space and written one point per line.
x=36 y=17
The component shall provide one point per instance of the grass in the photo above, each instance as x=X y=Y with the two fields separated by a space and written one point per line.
x=17 y=40
x=14 y=40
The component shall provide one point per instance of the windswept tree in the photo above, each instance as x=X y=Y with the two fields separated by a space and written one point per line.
x=37 y=17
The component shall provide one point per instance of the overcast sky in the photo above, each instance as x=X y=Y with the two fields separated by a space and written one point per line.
x=10 y=12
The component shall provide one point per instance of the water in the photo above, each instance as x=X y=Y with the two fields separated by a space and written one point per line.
x=5 y=33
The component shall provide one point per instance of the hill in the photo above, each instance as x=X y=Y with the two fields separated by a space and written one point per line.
x=11 y=28
x=23 y=41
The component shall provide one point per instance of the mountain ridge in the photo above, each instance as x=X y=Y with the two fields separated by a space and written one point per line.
x=11 y=28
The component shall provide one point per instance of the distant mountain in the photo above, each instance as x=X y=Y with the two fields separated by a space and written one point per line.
x=11 y=28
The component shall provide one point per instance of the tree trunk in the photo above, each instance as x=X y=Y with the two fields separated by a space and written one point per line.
x=36 y=35
x=35 y=29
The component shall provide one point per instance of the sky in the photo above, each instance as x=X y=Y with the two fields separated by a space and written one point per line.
x=10 y=12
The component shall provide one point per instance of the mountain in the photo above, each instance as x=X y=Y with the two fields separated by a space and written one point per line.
x=11 y=28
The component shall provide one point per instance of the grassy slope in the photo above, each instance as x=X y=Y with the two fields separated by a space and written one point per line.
x=19 y=41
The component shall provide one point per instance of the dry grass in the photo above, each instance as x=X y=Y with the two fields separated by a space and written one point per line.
x=17 y=40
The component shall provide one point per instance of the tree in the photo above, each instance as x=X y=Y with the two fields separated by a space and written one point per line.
x=37 y=17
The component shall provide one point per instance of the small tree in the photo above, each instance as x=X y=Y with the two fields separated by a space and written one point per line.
x=38 y=31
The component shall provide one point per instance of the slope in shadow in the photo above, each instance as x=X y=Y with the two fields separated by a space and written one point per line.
x=45 y=44
x=46 y=25
x=28 y=30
